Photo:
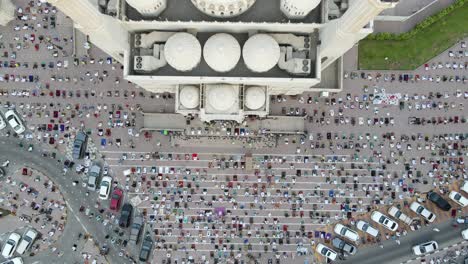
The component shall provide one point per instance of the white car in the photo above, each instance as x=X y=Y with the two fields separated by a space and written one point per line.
x=17 y=260
x=14 y=121
x=398 y=214
x=10 y=245
x=421 y=210
x=346 y=232
x=384 y=220
x=106 y=185
x=465 y=187
x=367 y=228
x=458 y=198
x=2 y=123
x=326 y=251
x=425 y=248
x=465 y=234
x=27 y=240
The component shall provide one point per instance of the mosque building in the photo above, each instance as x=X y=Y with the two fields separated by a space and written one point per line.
x=224 y=58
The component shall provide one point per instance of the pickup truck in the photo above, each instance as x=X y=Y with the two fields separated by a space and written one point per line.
x=93 y=177
x=145 y=250
x=79 y=145
x=398 y=214
x=136 y=229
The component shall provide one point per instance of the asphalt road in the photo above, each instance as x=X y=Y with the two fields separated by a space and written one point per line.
x=77 y=222
x=392 y=253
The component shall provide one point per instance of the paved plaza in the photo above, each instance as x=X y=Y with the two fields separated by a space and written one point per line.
x=231 y=193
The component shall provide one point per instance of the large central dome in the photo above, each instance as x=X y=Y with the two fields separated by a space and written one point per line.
x=222 y=97
x=223 y=8
x=222 y=52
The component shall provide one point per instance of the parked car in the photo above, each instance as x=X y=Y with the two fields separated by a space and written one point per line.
x=458 y=198
x=104 y=189
x=398 y=214
x=93 y=177
x=438 y=200
x=15 y=122
x=326 y=251
x=26 y=242
x=425 y=248
x=125 y=215
x=2 y=123
x=346 y=232
x=421 y=210
x=136 y=229
x=465 y=234
x=464 y=187
x=17 y=260
x=79 y=145
x=344 y=246
x=10 y=245
x=146 y=247
x=116 y=199
x=384 y=220
x=367 y=228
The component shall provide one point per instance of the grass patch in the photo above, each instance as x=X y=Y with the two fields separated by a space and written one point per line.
x=413 y=52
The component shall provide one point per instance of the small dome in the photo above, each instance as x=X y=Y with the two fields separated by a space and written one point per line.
x=261 y=52
x=223 y=8
x=255 y=98
x=222 y=52
x=221 y=97
x=182 y=51
x=189 y=97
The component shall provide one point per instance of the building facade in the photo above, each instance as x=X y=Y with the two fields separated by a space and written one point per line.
x=223 y=58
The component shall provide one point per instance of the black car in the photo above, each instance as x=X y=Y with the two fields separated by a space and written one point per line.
x=145 y=250
x=125 y=215
x=438 y=200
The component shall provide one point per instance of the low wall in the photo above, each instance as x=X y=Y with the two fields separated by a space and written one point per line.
x=401 y=24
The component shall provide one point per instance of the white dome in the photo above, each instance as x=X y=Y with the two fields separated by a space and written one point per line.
x=182 y=51
x=261 y=52
x=255 y=98
x=148 y=7
x=221 y=97
x=223 y=8
x=302 y=5
x=221 y=52
x=298 y=8
x=189 y=97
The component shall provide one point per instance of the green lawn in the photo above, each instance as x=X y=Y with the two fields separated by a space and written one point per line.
x=412 y=53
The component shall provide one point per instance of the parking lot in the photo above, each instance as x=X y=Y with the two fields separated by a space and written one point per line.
x=216 y=195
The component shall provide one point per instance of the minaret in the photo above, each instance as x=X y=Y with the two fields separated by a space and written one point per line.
x=104 y=31
x=338 y=36
x=7 y=12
